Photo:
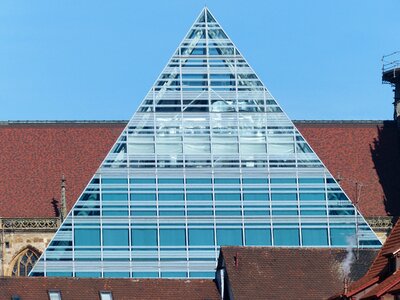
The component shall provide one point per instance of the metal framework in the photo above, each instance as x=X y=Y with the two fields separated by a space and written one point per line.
x=208 y=159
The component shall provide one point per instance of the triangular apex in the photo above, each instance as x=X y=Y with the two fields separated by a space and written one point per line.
x=209 y=159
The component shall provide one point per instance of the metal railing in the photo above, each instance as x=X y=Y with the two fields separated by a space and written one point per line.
x=390 y=61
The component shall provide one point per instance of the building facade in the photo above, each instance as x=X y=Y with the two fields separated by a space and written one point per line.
x=208 y=159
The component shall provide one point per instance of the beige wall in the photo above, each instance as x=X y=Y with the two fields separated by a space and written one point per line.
x=15 y=242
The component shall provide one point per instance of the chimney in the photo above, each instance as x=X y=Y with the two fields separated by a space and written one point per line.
x=63 y=213
x=236 y=259
x=345 y=286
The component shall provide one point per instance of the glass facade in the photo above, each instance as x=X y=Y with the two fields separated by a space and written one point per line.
x=208 y=159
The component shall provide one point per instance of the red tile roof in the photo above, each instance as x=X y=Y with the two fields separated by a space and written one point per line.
x=33 y=157
x=392 y=244
x=288 y=273
x=36 y=288
x=379 y=272
x=367 y=153
x=383 y=287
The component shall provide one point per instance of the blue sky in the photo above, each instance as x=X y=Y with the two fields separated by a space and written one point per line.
x=97 y=59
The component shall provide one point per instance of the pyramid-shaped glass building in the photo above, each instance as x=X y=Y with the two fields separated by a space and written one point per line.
x=208 y=159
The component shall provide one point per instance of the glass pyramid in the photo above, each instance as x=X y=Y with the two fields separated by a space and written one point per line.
x=208 y=159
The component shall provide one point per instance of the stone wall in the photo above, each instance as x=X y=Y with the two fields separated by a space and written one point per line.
x=18 y=234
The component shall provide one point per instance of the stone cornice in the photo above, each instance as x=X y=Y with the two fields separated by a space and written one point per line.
x=380 y=223
x=26 y=224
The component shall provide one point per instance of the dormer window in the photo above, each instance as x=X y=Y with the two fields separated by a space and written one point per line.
x=394 y=261
x=54 y=295
x=106 y=296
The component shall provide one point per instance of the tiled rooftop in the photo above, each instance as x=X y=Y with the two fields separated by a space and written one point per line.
x=288 y=273
x=36 y=288
x=35 y=154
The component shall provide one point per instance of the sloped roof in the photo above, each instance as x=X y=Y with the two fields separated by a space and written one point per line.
x=383 y=287
x=378 y=274
x=34 y=156
x=363 y=152
x=287 y=273
x=36 y=288
x=392 y=244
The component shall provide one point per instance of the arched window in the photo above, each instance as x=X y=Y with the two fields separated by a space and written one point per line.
x=24 y=262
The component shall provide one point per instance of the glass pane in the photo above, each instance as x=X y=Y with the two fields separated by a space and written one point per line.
x=225 y=148
x=198 y=181
x=286 y=237
x=315 y=236
x=144 y=237
x=145 y=274
x=253 y=148
x=191 y=148
x=255 y=197
x=342 y=236
x=227 y=181
x=142 y=181
x=114 y=181
x=201 y=237
x=170 y=197
x=115 y=197
x=55 y=295
x=280 y=148
x=229 y=237
x=87 y=237
x=255 y=180
x=283 y=180
x=105 y=295
x=337 y=196
x=170 y=181
x=284 y=196
x=227 y=197
x=311 y=180
x=173 y=274
x=143 y=197
x=312 y=196
x=116 y=275
x=199 y=197
x=115 y=237
x=169 y=148
x=88 y=274
x=258 y=237
x=172 y=237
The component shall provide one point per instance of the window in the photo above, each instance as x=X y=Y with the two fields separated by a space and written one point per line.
x=201 y=237
x=24 y=262
x=144 y=237
x=54 y=295
x=106 y=296
x=115 y=197
x=258 y=237
x=87 y=237
x=172 y=237
x=116 y=275
x=199 y=197
x=227 y=197
x=342 y=236
x=284 y=197
x=115 y=237
x=286 y=237
x=312 y=196
x=229 y=237
x=315 y=236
